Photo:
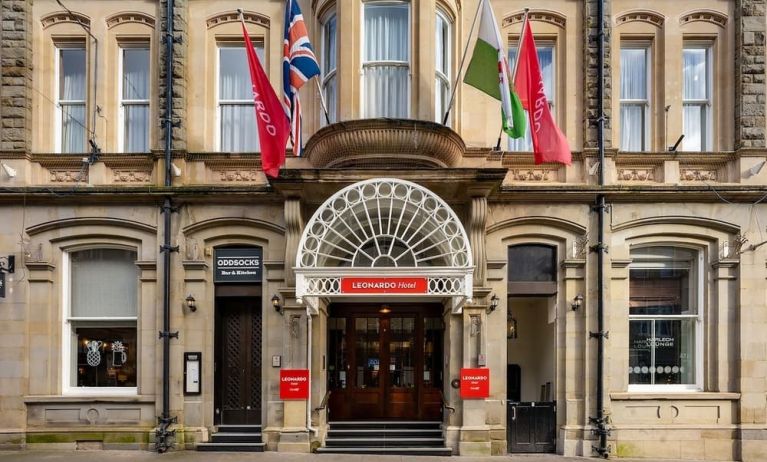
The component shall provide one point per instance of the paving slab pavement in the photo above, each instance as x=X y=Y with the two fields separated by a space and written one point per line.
x=193 y=456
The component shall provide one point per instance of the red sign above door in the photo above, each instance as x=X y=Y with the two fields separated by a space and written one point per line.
x=384 y=285
x=475 y=383
x=294 y=383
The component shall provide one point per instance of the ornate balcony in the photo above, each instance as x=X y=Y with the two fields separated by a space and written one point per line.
x=377 y=143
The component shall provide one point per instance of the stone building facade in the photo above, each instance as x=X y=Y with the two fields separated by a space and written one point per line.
x=508 y=269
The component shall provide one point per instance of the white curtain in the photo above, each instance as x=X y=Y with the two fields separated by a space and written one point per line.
x=72 y=99
x=238 y=131
x=633 y=98
x=136 y=99
x=104 y=283
x=548 y=71
x=329 y=60
x=695 y=83
x=386 y=40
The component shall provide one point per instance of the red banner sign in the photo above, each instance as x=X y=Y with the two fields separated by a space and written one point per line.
x=475 y=383
x=384 y=285
x=294 y=383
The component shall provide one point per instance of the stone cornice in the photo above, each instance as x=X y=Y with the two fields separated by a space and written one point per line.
x=648 y=16
x=250 y=17
x=704 y=15
x=64 y=16
x=549 y=16
x=130 y=17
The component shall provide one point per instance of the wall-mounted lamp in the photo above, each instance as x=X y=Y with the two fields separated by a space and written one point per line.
x=511 y=327
x=10 y=171
x=191 y=303
x=8 y=264
x=276 y=303
x=577 y=302
x=493 y=304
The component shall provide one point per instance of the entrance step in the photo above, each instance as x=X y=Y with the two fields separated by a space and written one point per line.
x=386 y=437
x=234 y=438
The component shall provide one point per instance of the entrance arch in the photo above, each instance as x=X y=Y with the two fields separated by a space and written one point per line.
x=384 y=236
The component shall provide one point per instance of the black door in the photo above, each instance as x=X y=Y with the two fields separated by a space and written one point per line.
x=238 y=361
x=531 y=427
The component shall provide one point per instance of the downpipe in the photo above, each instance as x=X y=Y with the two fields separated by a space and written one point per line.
x=163 y=434
x=313 y=430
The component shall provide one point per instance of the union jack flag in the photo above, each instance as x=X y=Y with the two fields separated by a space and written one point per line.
x=298 y=66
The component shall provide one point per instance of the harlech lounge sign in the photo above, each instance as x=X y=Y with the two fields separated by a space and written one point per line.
x=238 y=265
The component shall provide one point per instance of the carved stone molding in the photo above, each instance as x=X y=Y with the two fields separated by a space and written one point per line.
x=250 y=17
x=68 y=176
x=698 y=174
x=237 y=175
x=130 y=17
x=549 y=16
x=477 y=231
x=710 y=16
x=294 y=227
x=636 y=174
x=131 y=176
x=64 y=16
x=534 y=174
x=650 y=17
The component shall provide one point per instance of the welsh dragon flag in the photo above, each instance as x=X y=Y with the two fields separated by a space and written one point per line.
x=489 y=72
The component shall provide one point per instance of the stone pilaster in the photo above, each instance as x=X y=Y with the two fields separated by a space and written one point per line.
x=15 y=75
x=477 y=225
x=750 y=24
x=294 y=226
x=591 y=73
x=181 y=39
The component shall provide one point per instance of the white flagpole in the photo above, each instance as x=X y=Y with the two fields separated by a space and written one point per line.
x=463 y=59
x=322 y=100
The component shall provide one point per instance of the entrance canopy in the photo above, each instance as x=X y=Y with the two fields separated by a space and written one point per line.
x=384 y=237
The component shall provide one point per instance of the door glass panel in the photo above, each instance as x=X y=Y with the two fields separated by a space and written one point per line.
x=401 y=354
x=432 y=352
x=368 y=359
x=338 y=358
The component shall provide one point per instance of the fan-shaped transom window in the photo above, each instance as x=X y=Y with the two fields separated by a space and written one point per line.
x=384 y=223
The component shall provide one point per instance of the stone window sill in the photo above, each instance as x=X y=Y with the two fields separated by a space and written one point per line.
x=38 y=399
x=674 y=396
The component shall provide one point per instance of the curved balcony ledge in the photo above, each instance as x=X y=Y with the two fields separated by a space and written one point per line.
x=385 y=142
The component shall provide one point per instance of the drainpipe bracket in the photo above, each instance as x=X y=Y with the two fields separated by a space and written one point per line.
x=175 y=123
x=174 y=38
x=169 y=208
x=605 y=334
x=599 y=247
x=168 y=248
x=168 y=335
x=607 y=208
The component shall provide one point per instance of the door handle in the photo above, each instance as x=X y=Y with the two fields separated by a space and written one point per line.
x=513 y=412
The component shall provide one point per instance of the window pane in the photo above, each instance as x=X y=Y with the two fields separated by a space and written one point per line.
x=238 y=128
x=674 y=345
x=661 y=291
x=104 y=356
x=546 y=58
x=694 y=118
x=531 y=263
x=329 y=46
x=632 y=127
x=367 y=352
x=401 y=353
x=73 y=127
x=442 y=43
x=441 y=97
x=234 y=75
x=634 y=73
x=432 y=352
x=136 y=127
x=548 y=70
x=331 y=100
x=386 y=32
x=640 y=351
x=386 y=91
x=695 y=73
x=104 y=283
x=72 y=80
x=136 y=73
x=338 y=354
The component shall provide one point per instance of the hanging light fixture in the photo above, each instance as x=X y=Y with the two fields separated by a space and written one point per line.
x=511 y=326
x=191 y=303
x=276 y=303
x=385 y=309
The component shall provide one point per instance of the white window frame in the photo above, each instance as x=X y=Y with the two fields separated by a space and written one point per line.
x=408 y=64
x=58 y=131
x=234 y=44
x=696 y=274
x=544 y=43
x=707 y=103
x=66 y=333
x=645 y=103
x=438 y=74
x=332 y=74
x=123 y=102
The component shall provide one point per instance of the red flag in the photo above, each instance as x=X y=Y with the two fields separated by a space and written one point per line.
x=273 y=125
x=549 y=144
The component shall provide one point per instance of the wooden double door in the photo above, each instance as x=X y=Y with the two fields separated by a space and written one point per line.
x=237 y=397
x=385 y=362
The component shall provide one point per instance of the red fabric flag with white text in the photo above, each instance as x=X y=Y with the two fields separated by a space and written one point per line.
x=273 y=124
x=549 y=144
